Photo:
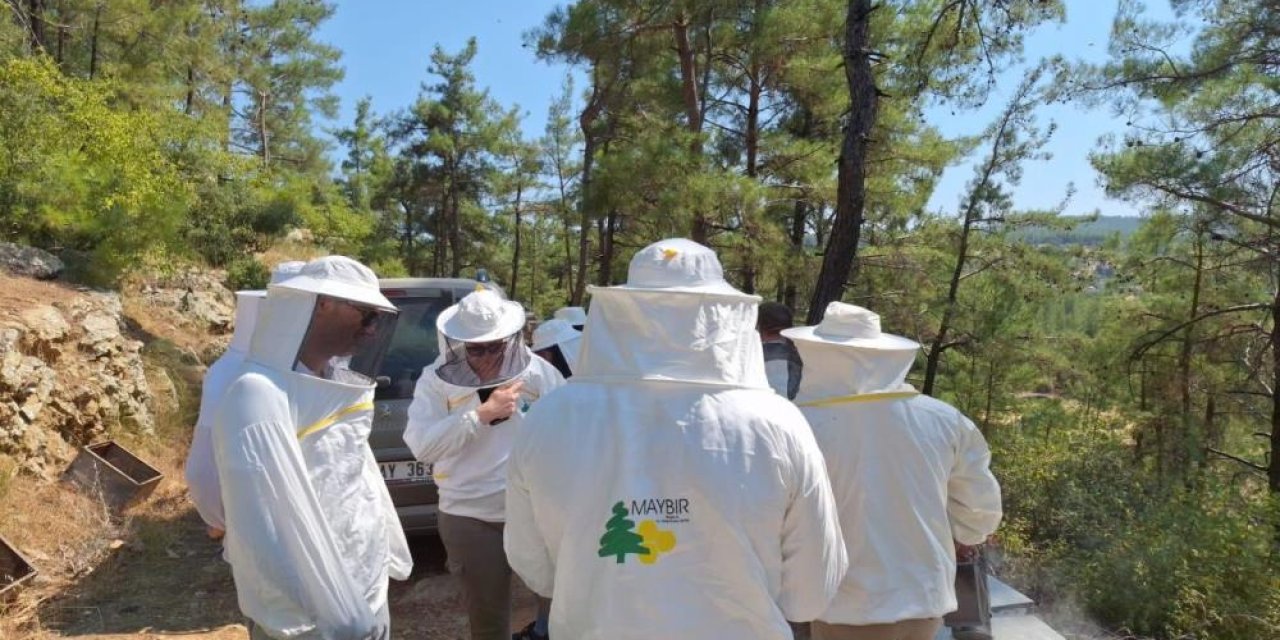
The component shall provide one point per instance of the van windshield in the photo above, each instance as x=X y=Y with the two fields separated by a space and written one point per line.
x=414 y=344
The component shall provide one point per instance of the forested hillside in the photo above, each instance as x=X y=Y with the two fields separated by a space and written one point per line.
x=1123 y=369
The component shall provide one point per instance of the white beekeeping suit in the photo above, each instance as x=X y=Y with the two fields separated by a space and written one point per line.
x=666 y=491
x=910 y=473
x=467 y=408
x=558 y=343
x=312 y=535
x=201 y=473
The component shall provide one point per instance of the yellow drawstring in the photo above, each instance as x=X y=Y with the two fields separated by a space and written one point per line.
x=859 y=397
x=334 y=417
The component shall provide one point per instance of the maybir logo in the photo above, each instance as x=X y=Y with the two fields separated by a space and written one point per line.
x=622 y=537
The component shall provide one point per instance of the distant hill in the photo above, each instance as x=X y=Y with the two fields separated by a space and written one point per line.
x=1086 y=233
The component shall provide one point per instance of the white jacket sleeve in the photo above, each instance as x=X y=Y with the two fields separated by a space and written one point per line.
x=973 y=494
x=432 y=432
x=201 y=472
x=282 y=553
x=400 y=560
x=814 y=559
x=202 y=478
x=526 y=549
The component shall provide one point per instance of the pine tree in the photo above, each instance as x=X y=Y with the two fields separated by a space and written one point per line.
x=619 y=539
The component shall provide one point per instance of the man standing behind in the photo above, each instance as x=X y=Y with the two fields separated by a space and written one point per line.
x=782 y=365
x=200 y=471
x=666 y=491
x=910 y=473
x=312 y=535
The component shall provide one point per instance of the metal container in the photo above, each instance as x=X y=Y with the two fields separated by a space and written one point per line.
x=15 y=572
x=112 y=473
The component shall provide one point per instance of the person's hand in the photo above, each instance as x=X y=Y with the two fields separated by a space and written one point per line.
x=215 y=533
x=968 y=552
x=501 y=403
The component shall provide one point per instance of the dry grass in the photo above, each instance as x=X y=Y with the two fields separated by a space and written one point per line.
x=120 y=575
x=285 y=251
x=20 y=294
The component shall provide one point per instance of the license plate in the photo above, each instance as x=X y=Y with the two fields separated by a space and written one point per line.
x=405 y=471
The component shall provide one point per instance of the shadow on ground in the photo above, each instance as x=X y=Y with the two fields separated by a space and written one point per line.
x=168 y=578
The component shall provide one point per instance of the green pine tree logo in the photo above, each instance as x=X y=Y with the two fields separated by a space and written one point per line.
x=619 y=539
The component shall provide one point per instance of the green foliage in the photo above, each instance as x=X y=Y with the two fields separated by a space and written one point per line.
x=1188 y=566
x=77 y=172
x=1084 y=523
x=247 y=273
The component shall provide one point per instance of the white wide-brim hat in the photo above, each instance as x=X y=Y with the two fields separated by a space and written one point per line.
x=678 y=265
x=851 y=326
x=481 y=316
x=572 y=315
x=552 y=333
x=338 y=277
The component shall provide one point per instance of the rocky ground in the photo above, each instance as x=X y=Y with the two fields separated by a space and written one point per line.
x=79 y=366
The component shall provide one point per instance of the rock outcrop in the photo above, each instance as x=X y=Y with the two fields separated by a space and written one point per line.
x=30 y=262
x=68 y=372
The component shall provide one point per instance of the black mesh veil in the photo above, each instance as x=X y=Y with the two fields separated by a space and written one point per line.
x=483 y=364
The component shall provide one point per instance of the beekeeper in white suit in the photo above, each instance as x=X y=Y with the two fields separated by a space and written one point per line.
x=467 y=408
x=910 y=473
x=666 y=491
x=312 y=535
x=557 y=342
x=200 y=471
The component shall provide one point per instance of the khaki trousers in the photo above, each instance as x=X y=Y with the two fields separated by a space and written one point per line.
x=921 y=629
x=476 y=557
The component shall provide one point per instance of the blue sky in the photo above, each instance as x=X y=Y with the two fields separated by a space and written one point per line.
x=386 y=46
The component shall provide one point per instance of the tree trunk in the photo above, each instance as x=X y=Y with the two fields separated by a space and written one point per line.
x=796 y=235
x=751 y=140
x=567 y=273
x=1190 y=449
x=751 y=137
x=948 y=313
x=604 y=277
x=568 y=229
x=264 y=134
x=586 y=122
x=228 y=88
x=1273 y=468
x=406 y=242
x=189 y=104
x=62 y=34
x=534 y=287
x=455 y=233
x=838 y=260
x=442 y=235
x=35 y=20
x=700 y=230
x=799 y=215
x=991 y=392
x=1211 y=433
x=93 y=41
x=515 y=253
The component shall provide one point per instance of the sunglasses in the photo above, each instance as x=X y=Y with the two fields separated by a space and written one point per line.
x=367 y=316
x=485 y=349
